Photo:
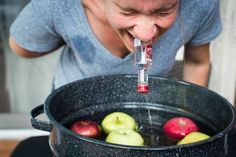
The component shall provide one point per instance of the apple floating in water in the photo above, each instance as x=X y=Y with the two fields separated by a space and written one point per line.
x=118 y=120
x=193 y=137
x=125 y=137
x=87 y=128
x=179 y=127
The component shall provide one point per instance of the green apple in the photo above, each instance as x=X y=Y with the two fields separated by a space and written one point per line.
x=125 y=137
x=118 y=120
x=193 y=137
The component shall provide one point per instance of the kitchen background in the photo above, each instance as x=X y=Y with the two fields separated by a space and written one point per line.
x=25 y=83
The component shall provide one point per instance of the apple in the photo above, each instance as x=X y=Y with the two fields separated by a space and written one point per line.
x=87 y=128
x=179 y=127
x=118 y=120
x=193 y=137
x=125 y=137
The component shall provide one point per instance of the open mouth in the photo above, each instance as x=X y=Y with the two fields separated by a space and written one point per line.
x=131 y=36
x=131 y=39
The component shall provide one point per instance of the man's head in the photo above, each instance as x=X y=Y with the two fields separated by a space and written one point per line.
x=143 y=19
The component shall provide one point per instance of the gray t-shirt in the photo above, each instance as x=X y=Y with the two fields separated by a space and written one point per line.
x=43 y=24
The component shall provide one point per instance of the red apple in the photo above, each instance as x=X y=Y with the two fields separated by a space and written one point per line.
x=87 y=128
x=179 y=127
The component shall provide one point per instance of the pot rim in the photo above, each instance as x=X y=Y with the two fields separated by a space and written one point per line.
x=221 y=134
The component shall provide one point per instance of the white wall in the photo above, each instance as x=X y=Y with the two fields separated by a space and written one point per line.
x=29 y=81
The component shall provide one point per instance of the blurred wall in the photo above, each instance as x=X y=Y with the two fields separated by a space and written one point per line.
x=223 y=76
x=28 y=81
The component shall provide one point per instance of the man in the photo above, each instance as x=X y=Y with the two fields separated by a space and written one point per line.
x=98 y=35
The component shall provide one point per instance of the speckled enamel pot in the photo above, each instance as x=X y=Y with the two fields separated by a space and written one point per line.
x=95 y=97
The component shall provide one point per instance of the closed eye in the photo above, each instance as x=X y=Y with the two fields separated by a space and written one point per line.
x=128 y=13
x=162 y=14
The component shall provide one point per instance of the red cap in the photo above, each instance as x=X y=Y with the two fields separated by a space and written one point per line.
x=142 y=88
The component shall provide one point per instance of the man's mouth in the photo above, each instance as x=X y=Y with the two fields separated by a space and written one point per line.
x=131 y=39
x=131 y=36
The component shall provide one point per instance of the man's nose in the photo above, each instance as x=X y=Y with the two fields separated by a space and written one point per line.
x=145 y=29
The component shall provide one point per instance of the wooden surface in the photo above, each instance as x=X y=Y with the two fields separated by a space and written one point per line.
x=6 y=147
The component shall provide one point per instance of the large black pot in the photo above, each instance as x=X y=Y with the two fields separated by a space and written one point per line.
x=93 y=98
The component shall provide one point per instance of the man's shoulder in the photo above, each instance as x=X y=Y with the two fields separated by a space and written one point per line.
x=54 y=7
x=203 y=4
x=199 y=8
x=55 y=3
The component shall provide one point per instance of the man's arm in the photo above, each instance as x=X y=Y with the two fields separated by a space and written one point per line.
x=197 y=64
x=26 y=53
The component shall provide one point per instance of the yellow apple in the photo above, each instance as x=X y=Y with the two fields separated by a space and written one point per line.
x=118 y=120
x=125 y=137
x=193 y=137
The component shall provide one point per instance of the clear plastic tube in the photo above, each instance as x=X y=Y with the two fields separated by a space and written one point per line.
x=142 y=76
x=143 y=58
x=140 y=57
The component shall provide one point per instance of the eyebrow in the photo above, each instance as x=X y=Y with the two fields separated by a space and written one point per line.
x=128 y=9
x=168 y=7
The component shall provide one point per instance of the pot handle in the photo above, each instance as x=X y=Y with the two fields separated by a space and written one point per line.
x=39 y=124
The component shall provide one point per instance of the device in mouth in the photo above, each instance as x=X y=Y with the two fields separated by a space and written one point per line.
x=143 y=59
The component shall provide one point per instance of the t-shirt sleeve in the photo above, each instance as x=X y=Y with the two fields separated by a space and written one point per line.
x=210 y=26
x=34 y=29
